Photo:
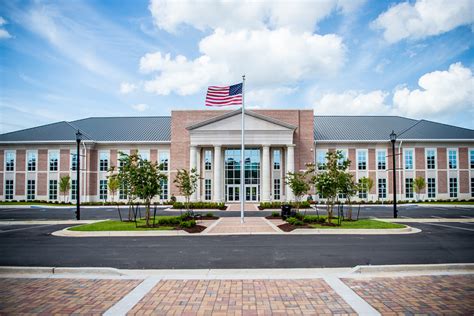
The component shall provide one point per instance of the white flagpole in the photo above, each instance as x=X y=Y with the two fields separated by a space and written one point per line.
x=242 y=157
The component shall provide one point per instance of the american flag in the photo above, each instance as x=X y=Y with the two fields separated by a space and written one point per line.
x=222 y=96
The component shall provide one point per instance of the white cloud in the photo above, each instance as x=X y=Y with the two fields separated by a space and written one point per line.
x=352 y=103
x=4 y=33
x=423 y=18
x=266 y=97
x=442 y=92
x=126 y=88
x=141 y=107
x=262 y=55
x=236 y=15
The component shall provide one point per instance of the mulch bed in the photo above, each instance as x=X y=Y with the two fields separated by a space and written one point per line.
x=288 y=227
x=273 y=217
x=207 y=218
x=194 y=230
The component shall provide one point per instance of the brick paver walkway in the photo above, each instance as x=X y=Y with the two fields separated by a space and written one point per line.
x=236 y=207
x=61 y=296
x=229 y=225
x=242 y=297
x=426 y=295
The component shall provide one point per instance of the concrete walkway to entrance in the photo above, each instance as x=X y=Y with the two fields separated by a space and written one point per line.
x=236 y=207
x=233 y=225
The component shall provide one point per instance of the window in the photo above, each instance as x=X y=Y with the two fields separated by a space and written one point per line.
x=344 y=156
x=453 y=159
x=381 y=160
x=472 y=187
x=453 y=187
x=430 y=159
x=362 y=193
x=53 y=160
x=73 y=162
x=409 y=188
x=53 y=189
x=382 y=188
x=431 y=186
x=103 y=161
x=164 y=189
x=164 y=159
x=361 y=160
x=321 y=159
x=409 y=159
x=31 y=161
x=144 y=154
x=471 y=158
x=103 y=189
x=207 y=159
x=276 y=159
x=122 y=192
x=30 y=189
x=207 y=189
x=73 y=189
x=276 y=189
x=10 y=161
x=9 y=190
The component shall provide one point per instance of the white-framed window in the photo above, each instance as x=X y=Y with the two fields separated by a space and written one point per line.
x=164 y=159
x=381 y=159
x=276 y=159
x=207 y=189
x=53 y=190
x=362 y=159
x=53 y=160
x=31 y=159
x=122 y=192
x=119 y=152
x=276 y=189
x=453 y=187
x=103 y=190
x=73 y=162
x=452 y=159
x=344 y=156
x=382 y=188
x=409 y=188
x=164 y=189
x=73 y=189
x=472 y=187
x=363 y=192
x=207 y=159
x=104 y=160
x=144 y=154
x=471 y=158
x=30 y=190
x=431 y=188
x=430 y=154
x=408 y=159
x=10 y=161
x=321 y=159
x=9 y=189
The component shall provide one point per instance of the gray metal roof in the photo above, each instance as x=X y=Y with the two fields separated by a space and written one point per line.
x=370 y=128
x=60 y=131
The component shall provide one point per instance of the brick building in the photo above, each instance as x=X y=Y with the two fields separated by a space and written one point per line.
x=277 y=141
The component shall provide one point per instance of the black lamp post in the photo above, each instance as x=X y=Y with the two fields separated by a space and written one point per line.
x=393 y=138
x=78 y=177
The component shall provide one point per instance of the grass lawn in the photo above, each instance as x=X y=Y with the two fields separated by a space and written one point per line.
x=117 y=226
x=361 y=224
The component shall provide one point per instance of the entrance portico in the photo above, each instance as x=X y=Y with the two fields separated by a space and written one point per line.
x=215 y=153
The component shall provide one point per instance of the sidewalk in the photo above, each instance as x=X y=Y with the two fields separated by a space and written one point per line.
x=369 y=290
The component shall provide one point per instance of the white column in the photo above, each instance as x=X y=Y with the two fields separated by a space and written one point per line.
x=198 y=166
x=290 y=167
x=266 y=174
x=217 y=174
x=192 y=164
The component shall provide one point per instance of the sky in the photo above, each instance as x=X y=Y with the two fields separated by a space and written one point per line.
x=66 y=60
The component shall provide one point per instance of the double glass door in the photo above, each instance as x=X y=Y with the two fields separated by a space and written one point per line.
x=233 y=193
x=251 y=193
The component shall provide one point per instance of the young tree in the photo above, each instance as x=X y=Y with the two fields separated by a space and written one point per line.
x=186 y=181
x=349 y=188
x=127 y=165
x=64 y=186
x=299 y=185
x=366 y=184
x=113 y=185
x=418 y=185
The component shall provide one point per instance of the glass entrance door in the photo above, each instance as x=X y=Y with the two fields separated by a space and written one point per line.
x=251 y=193
x=233 y=193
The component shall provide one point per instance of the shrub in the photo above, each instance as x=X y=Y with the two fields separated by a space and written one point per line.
x=314 y=219
x=275 y=204
x=209 y=214
x=168 y=220
x=188 y=224
x=275 y=214
x=200 y=205
x=299 y=216
x=294 y=221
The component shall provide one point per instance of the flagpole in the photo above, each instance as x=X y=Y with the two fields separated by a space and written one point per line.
x=242 y=156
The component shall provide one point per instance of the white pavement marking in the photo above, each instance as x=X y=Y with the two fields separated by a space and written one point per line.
x=447 y=226
x=123 y=306
x=351 y=298
x=17 y=229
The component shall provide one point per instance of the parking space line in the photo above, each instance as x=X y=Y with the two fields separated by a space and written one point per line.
x=447 y=226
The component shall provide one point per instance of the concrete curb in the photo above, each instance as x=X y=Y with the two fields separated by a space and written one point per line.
x=335 y=231
x=426 y=220
x=51 y=222
x=60 y=270
x=69 y=233
x=413 y=268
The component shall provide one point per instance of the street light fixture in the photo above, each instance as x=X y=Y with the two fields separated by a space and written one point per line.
x=78 y=175
x=393 y=139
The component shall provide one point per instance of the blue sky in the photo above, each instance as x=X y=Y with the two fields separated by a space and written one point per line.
x=65 y=60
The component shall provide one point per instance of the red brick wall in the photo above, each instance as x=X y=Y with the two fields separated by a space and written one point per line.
x=2 y=159
x=463 y=159
x=154 y=155
x=20 y=160
x=93 y=161
x=113 y=158
x=464 y=181
x=420 y=158
x=442 y=179
x=352 y=158
x=371 y=159
x=372 y=175
x=64 y=160
x=42 y=185
x=20 y=184
x=1 y=184
x=42 y=160
x=422 y=174
x=441 y=157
